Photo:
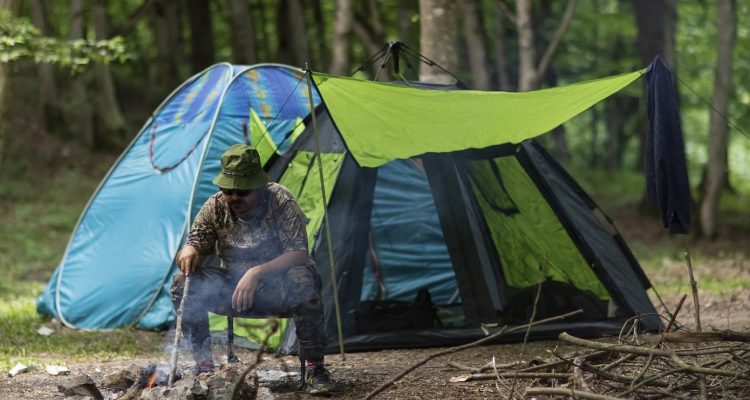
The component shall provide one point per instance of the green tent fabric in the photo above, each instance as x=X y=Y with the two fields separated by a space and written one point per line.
x=382 y=122
x=530 y=240
x=306 y=188
x=261 y=139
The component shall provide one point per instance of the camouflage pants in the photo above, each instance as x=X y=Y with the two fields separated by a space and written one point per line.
x=295 y=293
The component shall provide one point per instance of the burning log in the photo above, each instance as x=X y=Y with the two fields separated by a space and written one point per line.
x=122 y=380
x=157 y=375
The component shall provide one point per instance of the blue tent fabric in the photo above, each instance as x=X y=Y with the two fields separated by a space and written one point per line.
x=666 y=169
x=407 y=237
x=118 y=264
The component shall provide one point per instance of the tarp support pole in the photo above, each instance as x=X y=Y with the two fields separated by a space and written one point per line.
x=325 y=217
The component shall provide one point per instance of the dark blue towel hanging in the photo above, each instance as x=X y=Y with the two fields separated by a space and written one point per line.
x=666 y=169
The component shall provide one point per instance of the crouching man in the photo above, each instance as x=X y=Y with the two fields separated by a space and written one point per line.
x=258 y=231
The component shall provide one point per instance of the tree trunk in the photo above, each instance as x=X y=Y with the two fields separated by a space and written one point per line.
x=111 y=129
x=368 y=27
x=474 y=34
x=438 y=40
x=166 y=27
x=283 y=35
x=202 y=49
x=405 y=25
x=47 y=103
x=78 y=110
x=319 y=24
x=501 y=59
x=528 y=78
x=243 y=34
x=296 y=25
x=341 y=33
x=618 y=109
x=264 y=45
x=718 y=138
x=12 y=7
x=531 y=71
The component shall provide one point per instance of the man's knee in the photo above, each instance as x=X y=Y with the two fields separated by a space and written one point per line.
x=304 y=285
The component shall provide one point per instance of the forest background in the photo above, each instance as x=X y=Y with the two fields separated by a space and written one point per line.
x=79 y=78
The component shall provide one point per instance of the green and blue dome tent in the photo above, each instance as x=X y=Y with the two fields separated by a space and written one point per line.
x=117 y=267
x=440 y=190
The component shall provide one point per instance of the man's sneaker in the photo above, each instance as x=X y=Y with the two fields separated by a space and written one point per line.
x=318 y=380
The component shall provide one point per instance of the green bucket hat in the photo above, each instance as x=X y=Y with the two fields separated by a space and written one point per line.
x=241 y=169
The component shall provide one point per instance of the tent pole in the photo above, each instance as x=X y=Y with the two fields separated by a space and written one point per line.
x=325 y=215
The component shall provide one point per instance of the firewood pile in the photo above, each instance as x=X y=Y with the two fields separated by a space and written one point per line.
x=673 y=365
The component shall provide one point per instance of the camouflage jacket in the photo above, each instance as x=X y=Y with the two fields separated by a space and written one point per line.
x=277 y=227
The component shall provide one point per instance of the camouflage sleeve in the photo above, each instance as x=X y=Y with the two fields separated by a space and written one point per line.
x=290 y=221
x=202 y=235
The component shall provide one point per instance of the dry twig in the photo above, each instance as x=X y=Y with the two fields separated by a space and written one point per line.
x=503 y=331
x=567 y=392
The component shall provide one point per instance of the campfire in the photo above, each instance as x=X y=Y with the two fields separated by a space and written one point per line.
x=157 y=375
x=151 y=382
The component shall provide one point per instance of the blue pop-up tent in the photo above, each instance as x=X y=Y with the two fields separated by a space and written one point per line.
x=117 y=267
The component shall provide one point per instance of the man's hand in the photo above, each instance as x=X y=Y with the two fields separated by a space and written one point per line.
x=242 y=299
x=188 y=259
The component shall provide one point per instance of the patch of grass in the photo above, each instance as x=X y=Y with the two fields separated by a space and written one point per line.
x=19 y=341
x=37 y=217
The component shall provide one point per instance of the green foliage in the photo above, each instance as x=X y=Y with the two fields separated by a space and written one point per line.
x=19 y=39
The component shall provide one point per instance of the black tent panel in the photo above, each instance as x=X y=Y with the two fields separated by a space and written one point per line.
x=606 y=256
x=455 y=220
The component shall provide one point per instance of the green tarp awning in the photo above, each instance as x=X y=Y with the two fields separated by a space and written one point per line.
x=382 y=122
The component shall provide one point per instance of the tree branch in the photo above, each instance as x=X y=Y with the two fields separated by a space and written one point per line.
x=568 y=392
x=552 y=47
x=506 y=11
x=136 y=16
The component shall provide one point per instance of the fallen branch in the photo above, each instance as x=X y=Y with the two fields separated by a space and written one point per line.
x=649 y=351
x=702 y=337
x=553 y=364
x=481 y=369
x=610 y=376
x=503 y=331
x=535 y=391
x=622 y=348
x=506 y=375
x=578 y=377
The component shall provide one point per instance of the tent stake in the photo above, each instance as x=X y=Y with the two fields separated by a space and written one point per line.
x=325 y=216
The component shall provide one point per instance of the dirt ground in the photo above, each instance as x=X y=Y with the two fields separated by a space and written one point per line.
x=363 y=372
